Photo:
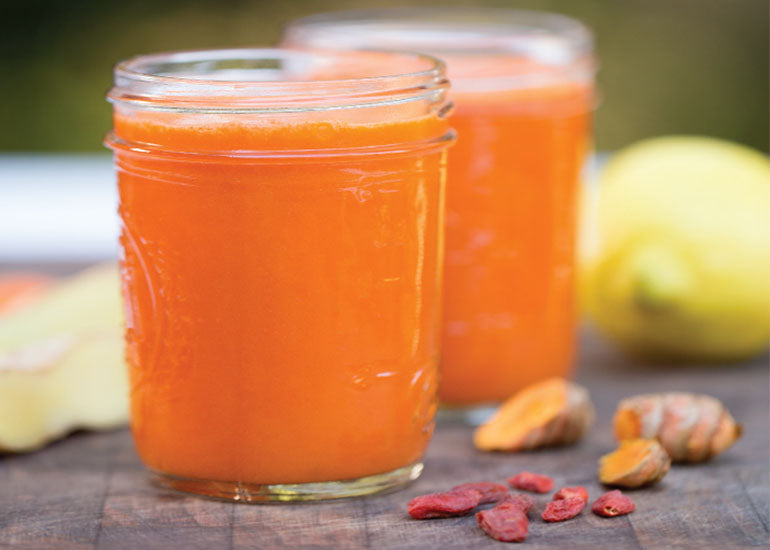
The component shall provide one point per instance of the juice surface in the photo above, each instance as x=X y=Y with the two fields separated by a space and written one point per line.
x=508 y=310
x=282 y=313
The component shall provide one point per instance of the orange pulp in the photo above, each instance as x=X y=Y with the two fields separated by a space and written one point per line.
x=510 y=232
x=282 y=312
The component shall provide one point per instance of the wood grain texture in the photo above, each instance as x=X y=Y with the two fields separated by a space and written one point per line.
x=90 y=491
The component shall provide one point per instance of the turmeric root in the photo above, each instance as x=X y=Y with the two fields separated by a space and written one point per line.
x=635 y=463
x=553 y=412
x=691 y=427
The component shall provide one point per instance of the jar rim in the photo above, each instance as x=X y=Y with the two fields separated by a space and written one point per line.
x=560 y=45
x=255 y=80
x=503 y=28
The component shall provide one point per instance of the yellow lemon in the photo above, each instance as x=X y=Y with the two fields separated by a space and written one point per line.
x=680 y=266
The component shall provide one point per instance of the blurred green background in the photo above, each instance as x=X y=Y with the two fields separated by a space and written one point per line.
x=667 y=66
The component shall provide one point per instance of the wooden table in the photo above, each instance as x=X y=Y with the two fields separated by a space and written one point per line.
x=90 y=491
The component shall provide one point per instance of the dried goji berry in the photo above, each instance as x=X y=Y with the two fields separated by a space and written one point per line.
x=527 y=481
x=443 y=505
x=490 y=492
x=613 y=503
x=524 y=502
x=569 y=492
x=505 y=522
x=563 y=509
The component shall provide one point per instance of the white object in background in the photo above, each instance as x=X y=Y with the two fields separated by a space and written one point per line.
x=57 y=207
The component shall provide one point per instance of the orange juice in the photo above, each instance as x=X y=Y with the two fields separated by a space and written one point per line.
x=522 y=88
x=511 y=218
x=282 y=250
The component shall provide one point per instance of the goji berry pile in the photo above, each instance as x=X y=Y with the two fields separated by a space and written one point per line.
x=507 y=520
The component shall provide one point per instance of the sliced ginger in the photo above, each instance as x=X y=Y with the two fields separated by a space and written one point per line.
x=552 y=412
x=61 y=362
x=690 y=427
x=635 y=463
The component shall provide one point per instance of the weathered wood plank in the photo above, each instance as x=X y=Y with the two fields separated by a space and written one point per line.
x=90 y=491
x=339 y=524
x=52 y=498
x=136 y=515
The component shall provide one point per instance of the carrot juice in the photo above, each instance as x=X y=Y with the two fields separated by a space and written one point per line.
x=522 y=85
x=282 y=238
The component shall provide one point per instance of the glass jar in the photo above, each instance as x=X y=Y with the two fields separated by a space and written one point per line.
x=282 y=243
x=522 y=84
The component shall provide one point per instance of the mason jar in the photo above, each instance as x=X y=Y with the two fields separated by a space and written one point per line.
x=523 y=88
x=282 y=244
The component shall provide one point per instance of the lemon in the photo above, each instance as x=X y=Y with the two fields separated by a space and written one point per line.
x=680 y=266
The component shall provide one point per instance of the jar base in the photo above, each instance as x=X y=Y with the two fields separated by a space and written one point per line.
x=237 y=491
x=471 y=415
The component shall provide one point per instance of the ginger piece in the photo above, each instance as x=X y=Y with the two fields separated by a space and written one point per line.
x=635 y=463
x=691 y=427
x=552 y=412
x=61 y=362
